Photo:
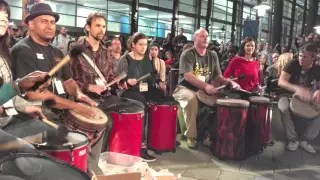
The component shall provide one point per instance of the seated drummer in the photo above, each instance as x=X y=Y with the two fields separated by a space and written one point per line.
x=35 y=53
x=136 y=64
x=246 y=63
x=297 y=77
x=191 y=61
x=159 y=65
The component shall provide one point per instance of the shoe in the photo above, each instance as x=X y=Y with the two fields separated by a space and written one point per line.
x=307 y=147
x=147 y=157
x=192 y=143
x=206 y=142
x=292 y=145
x=271 y=143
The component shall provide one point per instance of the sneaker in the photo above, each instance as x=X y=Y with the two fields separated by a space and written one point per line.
x=192 y=143
x=292 y=145
x=206 y=142
x=307 y=147
x=147 y=157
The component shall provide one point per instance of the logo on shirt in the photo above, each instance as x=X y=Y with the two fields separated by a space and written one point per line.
x=39 y=56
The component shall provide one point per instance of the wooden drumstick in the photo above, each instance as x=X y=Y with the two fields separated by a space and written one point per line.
x=74 y=52
x=143 y=77
x=115 y=80
x=54 y=125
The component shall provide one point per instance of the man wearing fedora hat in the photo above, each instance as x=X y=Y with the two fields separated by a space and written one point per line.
x=35 y=53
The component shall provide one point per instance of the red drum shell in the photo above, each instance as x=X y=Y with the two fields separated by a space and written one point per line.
x=75 y=152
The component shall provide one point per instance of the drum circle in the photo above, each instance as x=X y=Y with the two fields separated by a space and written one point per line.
x=39 y=167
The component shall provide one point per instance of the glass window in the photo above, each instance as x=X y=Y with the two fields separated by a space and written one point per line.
x=187 y=8
x=118 y=17
x=190 y=2
x=147 y=22
x=148 y=13
x=85 y=11
x=203 y=12
x=148 y=30
x=150 y=2
x=66 y=20
x=98 y=4
x=166 y=4
x=220 y=16
x=114 y=27
x=63 y=8
x=203 y=23
x=230 y=4
x=17 y=3
x=221 y=2
x=16 y=13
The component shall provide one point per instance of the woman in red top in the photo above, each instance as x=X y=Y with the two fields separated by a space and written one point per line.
x=246 y=63
x=170 y=59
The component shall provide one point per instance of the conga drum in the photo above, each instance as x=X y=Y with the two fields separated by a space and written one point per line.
x=127 y=132
x=258 y=124
x=39 y=167
x=304 y=110
x=232 y=119
x=173 y=80
x=162 y=125
x=93 y=127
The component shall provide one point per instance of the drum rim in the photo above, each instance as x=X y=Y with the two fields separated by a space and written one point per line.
x=296 y=113
x=43 y=156
x=268 y=100
x=87 y=122
x=63 y=147
x=246 y=105
x=137 y=113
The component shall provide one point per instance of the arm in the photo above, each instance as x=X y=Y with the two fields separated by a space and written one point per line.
x=7 y=92
x=230 y=69
x=122 y=66
x=284 y=82
x=162 y=71
x=79 y=75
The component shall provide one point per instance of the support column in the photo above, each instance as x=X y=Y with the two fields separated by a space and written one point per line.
x=303 y=29
x=134 y=16
x=312 y=15
x=277 y=22
x=198 y=9
x=208 y=17
x=234 y=19
x=175 y=15
x=292 y=21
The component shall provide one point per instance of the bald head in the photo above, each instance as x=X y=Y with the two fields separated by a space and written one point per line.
x=201 y=38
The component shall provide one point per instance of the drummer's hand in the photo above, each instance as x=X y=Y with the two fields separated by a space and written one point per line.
x=132 y=82
x=31 y=79
x=34 y=112
x=316 y=96
x=96 y=89
x=304 y=94
x=163 y=86
x=1 y=110
x=122 y=85
x=84 y=111
x=234 y=85
x=83 y=98
x=210 y=89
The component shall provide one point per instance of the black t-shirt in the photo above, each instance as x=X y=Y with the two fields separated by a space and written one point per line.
x=300 y=77
x=29 y=56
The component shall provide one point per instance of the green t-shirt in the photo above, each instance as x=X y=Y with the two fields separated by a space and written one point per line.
x=191 y=61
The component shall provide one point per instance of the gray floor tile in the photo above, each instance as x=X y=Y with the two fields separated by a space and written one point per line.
x=232 y=166
x=187 y=178
x=303 y=174
x=262 y=178
x=258 y=167
x=203 y=173
x=225 y=175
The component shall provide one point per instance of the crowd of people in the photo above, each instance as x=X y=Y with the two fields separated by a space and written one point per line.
x=202 y=66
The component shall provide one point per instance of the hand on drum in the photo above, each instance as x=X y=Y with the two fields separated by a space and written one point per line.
x=234 y=85
x=84 y=111
x=304 y=94
x=211 y=90
x=316 y=97
x=132 y=82
x=83 y=98
x=96 y=89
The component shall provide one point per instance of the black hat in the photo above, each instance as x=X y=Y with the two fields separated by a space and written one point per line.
x=154 y=44
x=41 y=9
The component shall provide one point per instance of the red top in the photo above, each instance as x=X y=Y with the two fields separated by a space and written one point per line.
x=169 y=61
x=238 y=66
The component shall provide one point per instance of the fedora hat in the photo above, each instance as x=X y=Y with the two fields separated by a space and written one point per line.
x=41 y=9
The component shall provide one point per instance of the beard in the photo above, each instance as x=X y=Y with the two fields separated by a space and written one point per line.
x=98 y=36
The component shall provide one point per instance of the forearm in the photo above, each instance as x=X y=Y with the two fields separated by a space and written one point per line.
x=71 y=87
x=288 y=86
x=61 y=103
x=193 y=80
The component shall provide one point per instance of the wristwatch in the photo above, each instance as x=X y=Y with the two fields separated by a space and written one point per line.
x=18 y=89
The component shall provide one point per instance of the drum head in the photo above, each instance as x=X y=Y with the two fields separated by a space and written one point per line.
x=259 y=99
x=167 y=100
x=75 y=140
x=99 y=120
x=233 y=103
x=39 y=167
x=126 y=109
x=302 y=109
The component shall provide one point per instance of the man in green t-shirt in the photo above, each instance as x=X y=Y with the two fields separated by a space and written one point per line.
x=199 y=69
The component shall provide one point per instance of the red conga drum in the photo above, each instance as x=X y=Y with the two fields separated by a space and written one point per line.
x=232 y=118
x=162 y=126
x=258 y=124
x=127 y=132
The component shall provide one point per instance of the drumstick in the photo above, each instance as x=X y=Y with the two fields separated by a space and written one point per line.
x=54 y=125
x=120 y=77
x=143 y=77
x=242 y=76
x=20 y=142
x=74 y=52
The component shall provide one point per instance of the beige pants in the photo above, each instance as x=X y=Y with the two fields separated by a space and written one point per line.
x=189 y=106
